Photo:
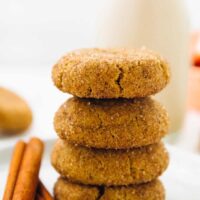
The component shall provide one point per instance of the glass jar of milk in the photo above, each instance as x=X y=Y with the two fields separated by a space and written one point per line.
x=159 y=25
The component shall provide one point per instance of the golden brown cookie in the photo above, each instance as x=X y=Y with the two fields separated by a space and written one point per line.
x=111 y=73
x=65 y=190
x=117 y=124
x=109 y=167
x=15 y=114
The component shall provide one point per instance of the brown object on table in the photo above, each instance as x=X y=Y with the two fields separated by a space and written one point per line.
x=15 y=113
x=14 y=170
x=27 y=181
x=42 y=192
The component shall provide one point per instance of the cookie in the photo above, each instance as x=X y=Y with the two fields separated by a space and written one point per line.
x=122 y=73
x=15 y=114
x=117 y=124
x=65 y=190
x=109 y=167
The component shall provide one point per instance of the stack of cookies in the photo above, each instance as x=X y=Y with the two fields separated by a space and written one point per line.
x=110 y=132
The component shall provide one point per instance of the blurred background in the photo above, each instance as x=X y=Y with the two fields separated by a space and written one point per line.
x=35 y=34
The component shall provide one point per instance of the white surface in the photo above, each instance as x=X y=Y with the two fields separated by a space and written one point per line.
x=193 y=7
x=181 y=179
x=189 y=139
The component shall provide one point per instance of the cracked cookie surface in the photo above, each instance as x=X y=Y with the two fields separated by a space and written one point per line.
x=15 y=114
x=109 y=167
x=114 y=124
x=66 y=190
x=111 y=73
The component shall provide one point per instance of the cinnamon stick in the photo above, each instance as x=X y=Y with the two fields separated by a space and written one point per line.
x=39 y=197
x=43 y=192
x=26 y=185
x=14 y=170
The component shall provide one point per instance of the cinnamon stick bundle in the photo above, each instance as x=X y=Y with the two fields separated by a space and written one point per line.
x=27 y=181
x=23 y=182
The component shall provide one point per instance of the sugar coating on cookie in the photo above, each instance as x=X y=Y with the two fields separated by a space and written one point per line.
x=15 y=114
x=66 y=190
x=111 y=73
x=109 y=167
x=116 y=123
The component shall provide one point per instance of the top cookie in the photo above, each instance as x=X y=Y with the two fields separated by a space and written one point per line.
x=111 y=73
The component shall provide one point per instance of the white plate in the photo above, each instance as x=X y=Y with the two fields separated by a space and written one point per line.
x=181 y=180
